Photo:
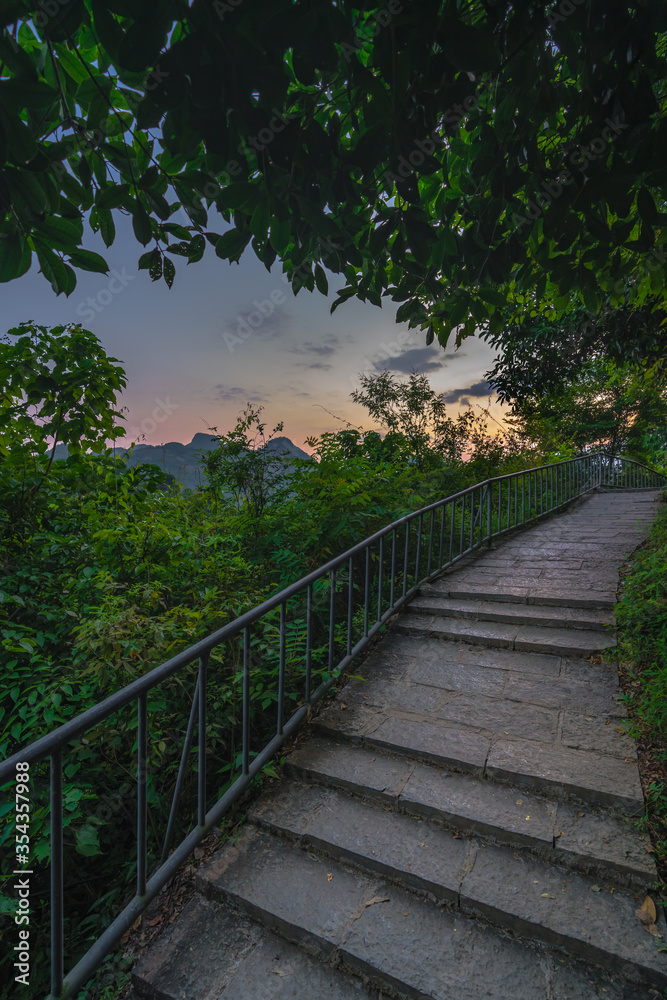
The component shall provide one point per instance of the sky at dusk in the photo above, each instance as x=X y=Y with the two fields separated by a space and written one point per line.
x=196 y=354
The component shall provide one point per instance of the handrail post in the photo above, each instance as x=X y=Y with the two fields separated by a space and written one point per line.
x=489 y=501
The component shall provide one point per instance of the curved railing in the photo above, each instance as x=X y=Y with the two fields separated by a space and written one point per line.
x=336 y=610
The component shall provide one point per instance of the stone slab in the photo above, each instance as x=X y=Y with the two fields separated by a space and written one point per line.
x=479 y=806
x=195 y=957
x=605 y=781
x=588 y=732
x=260 y=874
x=487 y=592
x=302 y=800
x=484 y=633
x=563 y=908
x=349 y=719
x=504 y=659
x=423 y=856
x=570 y=982
x=528 y=614
x=496 y=715
x=277 y=970
x=421 y=951
x=410 y=697
x=562 y=641
x=562 y=692
x=459 y=677
x=603 y=675
x=594 y=839
x=349 y=766
x=572 y=597
x=449 y=747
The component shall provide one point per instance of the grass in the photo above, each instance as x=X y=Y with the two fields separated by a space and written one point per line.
x=641 y=615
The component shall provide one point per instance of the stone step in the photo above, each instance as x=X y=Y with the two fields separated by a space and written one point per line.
x=407 y=943
x=210 y=953
x=530 y=638
x=533 y=594
x=590 y=842
x=510 y=613
x=597 y=779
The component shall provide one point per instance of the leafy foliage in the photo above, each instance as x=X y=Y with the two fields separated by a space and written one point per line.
x=408 y=150
x=619 y=408
x=641 y=616
x=540 y=356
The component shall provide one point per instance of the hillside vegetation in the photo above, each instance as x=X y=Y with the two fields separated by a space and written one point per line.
x=110 y=569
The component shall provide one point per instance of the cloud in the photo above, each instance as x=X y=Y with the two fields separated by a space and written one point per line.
x=482 y=388
x=324 y=348
x=235 y=394
x=321 y=366
x=420 y=359
x=270 y=327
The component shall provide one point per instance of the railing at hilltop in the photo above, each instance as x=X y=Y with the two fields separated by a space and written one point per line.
x=330 y=616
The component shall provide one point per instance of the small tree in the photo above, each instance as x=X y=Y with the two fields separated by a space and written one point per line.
x=244 y=466
x=413 y=411
x=57 y=386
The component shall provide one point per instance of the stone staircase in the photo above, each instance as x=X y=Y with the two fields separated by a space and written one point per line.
x=462 y=823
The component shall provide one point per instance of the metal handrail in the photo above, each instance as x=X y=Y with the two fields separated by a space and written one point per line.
x=509 y=501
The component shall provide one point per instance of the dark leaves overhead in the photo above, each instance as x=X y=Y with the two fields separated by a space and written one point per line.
x=471 y=161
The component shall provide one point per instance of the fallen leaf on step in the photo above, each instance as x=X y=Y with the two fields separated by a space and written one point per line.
x=545 y=895
x=596 y=888
x=285 y=970
x=377 y=899
x=648 y=915
x=329 y=877
x=155 y=920
x=648 y=911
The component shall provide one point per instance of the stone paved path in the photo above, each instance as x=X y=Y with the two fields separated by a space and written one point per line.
x=461 y=825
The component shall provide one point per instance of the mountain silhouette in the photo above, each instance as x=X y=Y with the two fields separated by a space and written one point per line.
x=183 y=461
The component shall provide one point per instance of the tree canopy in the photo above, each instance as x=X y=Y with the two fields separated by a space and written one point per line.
x=621 y=408
x=464 y=158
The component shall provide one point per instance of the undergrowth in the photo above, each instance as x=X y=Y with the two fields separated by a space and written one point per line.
x=641 y=615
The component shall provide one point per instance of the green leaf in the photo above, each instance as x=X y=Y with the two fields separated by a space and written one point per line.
x=53 y=268
x=15 y=256
x=141 y=224
x=156 y=265
x=89 y=261
x=281 y=235
x=196 y=249
x=63 y=232
x=169 y=271
x=232 y=244
x=321 y=280
x=112 y=196
x=21 y=142
x=107 y=226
